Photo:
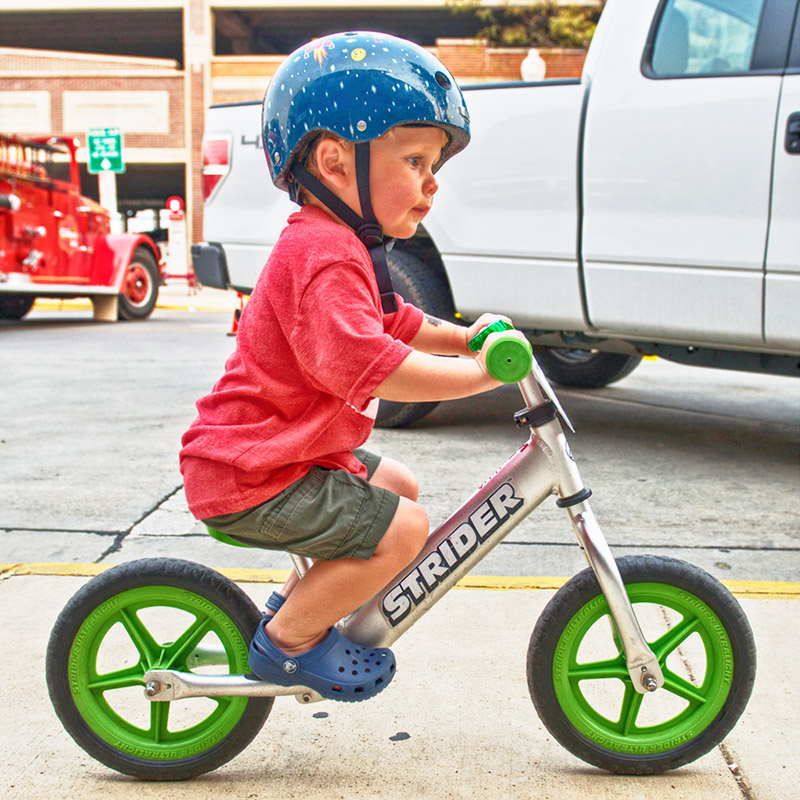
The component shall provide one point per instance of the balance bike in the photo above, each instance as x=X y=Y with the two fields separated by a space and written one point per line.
x=637 y=665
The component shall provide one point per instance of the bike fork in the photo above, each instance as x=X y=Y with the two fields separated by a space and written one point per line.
x=573 y=496
x=642 y=664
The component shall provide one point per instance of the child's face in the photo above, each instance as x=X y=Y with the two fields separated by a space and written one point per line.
x=402 y=183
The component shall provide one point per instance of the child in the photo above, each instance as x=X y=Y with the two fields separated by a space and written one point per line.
x=355 y=126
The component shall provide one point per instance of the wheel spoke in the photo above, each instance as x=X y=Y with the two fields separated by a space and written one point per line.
x=147 y=646
x=176 y=654
x=674 y=637
x=121 y=679
x=159 y=719
x=223 y=702
x=599 y=670
x=684 y=689
x=631 y=703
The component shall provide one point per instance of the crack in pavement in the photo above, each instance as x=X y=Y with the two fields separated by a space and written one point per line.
x=741 y=780
x=119 y=538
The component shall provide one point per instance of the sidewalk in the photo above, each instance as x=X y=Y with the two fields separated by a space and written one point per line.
x=456 y=723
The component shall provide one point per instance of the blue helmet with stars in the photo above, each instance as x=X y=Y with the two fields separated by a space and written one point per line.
x=357 y=86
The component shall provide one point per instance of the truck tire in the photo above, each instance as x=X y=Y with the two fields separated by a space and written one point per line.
x=140 y=291
x=584 y=369
x=416 y=284
x=15 y=306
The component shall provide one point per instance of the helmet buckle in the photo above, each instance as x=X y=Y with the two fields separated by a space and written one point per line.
x=371 y=234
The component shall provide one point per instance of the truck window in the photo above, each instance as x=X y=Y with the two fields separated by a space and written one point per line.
x=705 y=37
x=59 y=170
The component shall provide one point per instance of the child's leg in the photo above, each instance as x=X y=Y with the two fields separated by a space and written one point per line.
x=397 y=478
x=332 y=589
x=391 y=475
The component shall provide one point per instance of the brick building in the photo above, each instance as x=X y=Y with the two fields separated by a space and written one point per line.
x=151 y=67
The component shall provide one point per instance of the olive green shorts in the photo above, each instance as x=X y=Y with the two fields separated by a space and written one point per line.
x=327 y=514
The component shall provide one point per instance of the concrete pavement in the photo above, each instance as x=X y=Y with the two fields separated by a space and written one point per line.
x=456 y=723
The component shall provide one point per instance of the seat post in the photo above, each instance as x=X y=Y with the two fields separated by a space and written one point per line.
x=301 y=564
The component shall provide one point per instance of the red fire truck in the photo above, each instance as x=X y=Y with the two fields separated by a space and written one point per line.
x=54 y=242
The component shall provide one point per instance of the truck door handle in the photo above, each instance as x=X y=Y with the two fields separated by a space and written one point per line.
x=792 y=143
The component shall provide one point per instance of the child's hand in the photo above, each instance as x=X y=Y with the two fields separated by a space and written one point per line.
x=480 y=356
x=483 y=321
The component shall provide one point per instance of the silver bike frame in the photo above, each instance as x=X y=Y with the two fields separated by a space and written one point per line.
x=544 y=465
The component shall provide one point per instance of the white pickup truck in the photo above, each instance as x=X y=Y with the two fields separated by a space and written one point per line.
x=651 y=207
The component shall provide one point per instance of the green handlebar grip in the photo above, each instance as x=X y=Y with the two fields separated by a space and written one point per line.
x=476 y=342
x=509 y=359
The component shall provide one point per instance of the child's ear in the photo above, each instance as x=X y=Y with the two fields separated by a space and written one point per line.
x=334 y=162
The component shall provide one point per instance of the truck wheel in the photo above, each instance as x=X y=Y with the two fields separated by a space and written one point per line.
x=140 y=292
x=15 y=306
x=416 y=284
x=585 y=369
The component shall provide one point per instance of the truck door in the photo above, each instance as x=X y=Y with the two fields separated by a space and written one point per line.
x=782 y=282
x=678 y=166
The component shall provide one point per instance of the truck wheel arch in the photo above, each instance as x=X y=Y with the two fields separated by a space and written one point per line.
x=417 y=283
x=140 y=292
x=584 y=369
x=423 y=248
x=137 y=273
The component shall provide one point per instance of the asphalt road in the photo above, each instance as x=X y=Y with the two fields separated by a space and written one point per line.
x=696 y=463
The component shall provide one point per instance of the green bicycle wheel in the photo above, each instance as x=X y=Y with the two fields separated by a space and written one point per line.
x=154 y=614
x=580 y=684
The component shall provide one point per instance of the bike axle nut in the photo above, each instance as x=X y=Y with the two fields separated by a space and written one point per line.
x=649 y=682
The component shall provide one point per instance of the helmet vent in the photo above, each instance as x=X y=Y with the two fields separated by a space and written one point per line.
x=442 y=80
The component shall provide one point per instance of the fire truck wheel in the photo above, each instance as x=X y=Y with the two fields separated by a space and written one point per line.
x=140 y=292
x=15 y=306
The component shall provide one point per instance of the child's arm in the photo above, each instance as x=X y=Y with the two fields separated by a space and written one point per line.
x=442 y=338
x=422 y=377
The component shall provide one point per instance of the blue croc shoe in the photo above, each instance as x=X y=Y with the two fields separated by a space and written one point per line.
x=276 y=600
x=336 y=668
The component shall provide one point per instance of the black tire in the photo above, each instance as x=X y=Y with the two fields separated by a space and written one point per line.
x=584 y=369
x=687 y=617
x=140 y=292
x=15 y=306
x=149 y=614
x=416 y=284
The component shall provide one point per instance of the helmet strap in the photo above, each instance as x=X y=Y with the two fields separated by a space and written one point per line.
x=367 y=228
x=371 y=233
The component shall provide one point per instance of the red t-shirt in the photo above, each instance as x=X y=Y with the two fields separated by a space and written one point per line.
x=312 y=346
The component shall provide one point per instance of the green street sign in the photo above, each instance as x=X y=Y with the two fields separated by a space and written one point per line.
x=105 y=150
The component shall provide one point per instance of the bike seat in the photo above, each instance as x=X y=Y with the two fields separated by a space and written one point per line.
x=224 y=538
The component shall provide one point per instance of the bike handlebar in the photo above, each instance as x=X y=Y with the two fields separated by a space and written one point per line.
x=508 y=359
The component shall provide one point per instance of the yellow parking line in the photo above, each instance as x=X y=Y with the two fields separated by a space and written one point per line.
x=66 y=305
x=85 y=305
x=763 y=590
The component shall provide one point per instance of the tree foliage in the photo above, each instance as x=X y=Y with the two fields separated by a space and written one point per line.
x=545 y=23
